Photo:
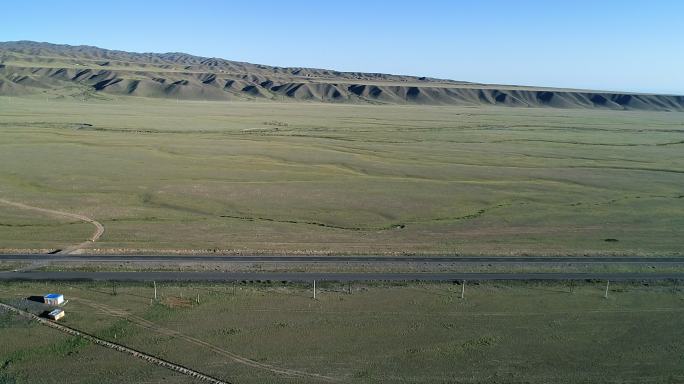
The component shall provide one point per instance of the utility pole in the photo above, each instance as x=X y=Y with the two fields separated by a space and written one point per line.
x=463 y=289
x=605 y=296
x=572 y=286
x=314 y=289
x=155 y=289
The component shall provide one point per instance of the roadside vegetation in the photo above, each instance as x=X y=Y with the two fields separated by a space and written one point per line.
x=398 y=267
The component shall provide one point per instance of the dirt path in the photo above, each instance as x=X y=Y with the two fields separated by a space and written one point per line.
x=110 y=311
x=118 y=347
x=99 y=228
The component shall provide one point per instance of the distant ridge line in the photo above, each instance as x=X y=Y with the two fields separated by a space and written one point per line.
x=28 y=67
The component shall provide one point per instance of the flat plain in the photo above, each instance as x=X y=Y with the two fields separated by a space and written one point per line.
x=241 y=177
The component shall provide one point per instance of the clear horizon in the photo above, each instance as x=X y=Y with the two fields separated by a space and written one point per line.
x=617 y=46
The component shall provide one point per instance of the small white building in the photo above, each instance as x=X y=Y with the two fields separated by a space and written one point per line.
x=56 y=314
x=53 y=299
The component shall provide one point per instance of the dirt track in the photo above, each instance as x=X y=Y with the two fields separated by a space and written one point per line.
x=220 y=351
x=99 y=228
x=118 y=347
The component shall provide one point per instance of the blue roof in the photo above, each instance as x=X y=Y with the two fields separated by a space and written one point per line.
x=53 y=295
x=56 y=312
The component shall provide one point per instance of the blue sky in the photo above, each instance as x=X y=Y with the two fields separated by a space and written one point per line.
x=607 y=44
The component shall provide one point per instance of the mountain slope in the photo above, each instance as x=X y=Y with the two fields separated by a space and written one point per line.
x=83 y=71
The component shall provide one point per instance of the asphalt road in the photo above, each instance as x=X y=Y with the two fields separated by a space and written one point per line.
x=330 y=276
x=321 y=276
x=171 y=259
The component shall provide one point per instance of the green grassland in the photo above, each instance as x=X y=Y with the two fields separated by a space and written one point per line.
x=412 y=333
x=32 y=353
x=326 y=178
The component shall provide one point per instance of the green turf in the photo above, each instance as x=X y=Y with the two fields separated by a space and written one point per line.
x=317 y=178
x=407 y=333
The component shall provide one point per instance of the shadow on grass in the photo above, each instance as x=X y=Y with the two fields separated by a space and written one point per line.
x=37 y=299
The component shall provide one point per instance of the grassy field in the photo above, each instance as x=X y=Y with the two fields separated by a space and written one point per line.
x=325 y=178
x=417 y=333
x=31 y=353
